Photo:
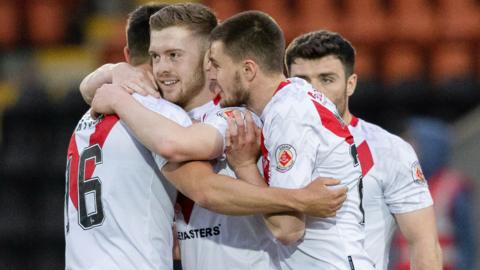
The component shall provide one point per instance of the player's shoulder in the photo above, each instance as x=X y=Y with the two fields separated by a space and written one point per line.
x=164 y=107
x=299 y=100
x=294 y=94
x=223 y=114
x=378 y=136
x=293 y=88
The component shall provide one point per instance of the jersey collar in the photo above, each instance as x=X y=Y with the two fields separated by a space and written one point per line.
x=281 y=86
x=354 y=121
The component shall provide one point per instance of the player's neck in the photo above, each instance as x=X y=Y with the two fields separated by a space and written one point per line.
x=201 y=98
x=263 y=91
x=347 y=117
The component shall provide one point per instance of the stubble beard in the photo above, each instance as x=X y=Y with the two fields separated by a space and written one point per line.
x=342 y=106
x=192 y=87
x=240 y=96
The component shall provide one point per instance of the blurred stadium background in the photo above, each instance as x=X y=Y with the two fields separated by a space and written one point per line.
x=414 y=58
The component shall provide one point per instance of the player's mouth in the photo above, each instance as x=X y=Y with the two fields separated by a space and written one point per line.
x=168 y=82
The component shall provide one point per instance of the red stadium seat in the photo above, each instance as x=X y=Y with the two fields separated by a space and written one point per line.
x=316 y=15
x=280 y=10
x=225 y=8
x=412 y=20
x=46 y=22
x=402 y=61
x=364 y=62
x=459 y=19
x=451 y=60
x=364 y=21
x=9 y=20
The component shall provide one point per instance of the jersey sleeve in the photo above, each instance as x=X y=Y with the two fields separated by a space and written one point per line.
x=408 y=189
x=218 y=119
x=290 y=146
x=166 y=109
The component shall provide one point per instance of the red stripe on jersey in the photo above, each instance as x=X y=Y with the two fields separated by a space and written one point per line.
x=98 y=137
x=281 y=86
x=216 y=100
x=102 y=129
x=365 y=156
x=73 y=176
x=186 y=206
x=265 y=161
x=332 y=123
x=354 y=121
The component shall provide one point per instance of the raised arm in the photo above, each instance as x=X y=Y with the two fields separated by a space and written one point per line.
x=133 y=79
x=158 y=133
x=419 y=230
x=223 y=194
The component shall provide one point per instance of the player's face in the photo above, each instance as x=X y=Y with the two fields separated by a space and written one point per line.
x=177 y=61
x=327 y=75
x=227 y=77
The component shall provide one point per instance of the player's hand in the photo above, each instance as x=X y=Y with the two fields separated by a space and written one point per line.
x=105 y=99
x=134 y=79
x=321 y=199
x=242 y=142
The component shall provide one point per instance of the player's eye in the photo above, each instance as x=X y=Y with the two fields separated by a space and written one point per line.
x=327 y=80
x=154 y=56
x=174 y=55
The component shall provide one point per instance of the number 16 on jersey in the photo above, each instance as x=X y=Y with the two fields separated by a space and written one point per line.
x=87 y=190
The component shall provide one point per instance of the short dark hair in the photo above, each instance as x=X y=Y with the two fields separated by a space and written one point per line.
x=253 y=34
x=318 y=44
x=138 y=32
x=196 y=17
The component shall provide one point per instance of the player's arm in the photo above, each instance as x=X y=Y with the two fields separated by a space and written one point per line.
x=133 y=79
x=409 y=199
x=294 y=172
x=158 y=133
x=419 y=229
x=223 y=194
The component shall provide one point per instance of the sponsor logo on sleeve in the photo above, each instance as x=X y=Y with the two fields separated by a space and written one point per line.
x=417 y=173
x=285 y=156
x=225 y=114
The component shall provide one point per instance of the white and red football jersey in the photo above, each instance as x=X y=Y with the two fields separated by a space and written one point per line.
x=118 y=206
x=393 y=184
x=209 y=240
x=303 y=138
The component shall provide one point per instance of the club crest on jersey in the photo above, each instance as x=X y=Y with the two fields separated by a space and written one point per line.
x=417 y=173
x=285 y=156
x=225 y=114
x=318 y=96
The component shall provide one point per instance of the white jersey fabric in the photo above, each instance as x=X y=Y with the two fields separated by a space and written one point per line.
x=305 y=138
x=119 y=207
x=213 y=241
x=392 y=185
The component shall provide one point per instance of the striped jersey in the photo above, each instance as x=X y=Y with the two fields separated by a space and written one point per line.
x=118 y=205
x=303 y=138
x=393 y=184
x=209 y=240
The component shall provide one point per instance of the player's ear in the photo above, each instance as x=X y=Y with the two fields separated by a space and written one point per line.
x=249 y=69
x=351 y=84
x=126 y=54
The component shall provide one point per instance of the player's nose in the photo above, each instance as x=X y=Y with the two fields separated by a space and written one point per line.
x=162 y=66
